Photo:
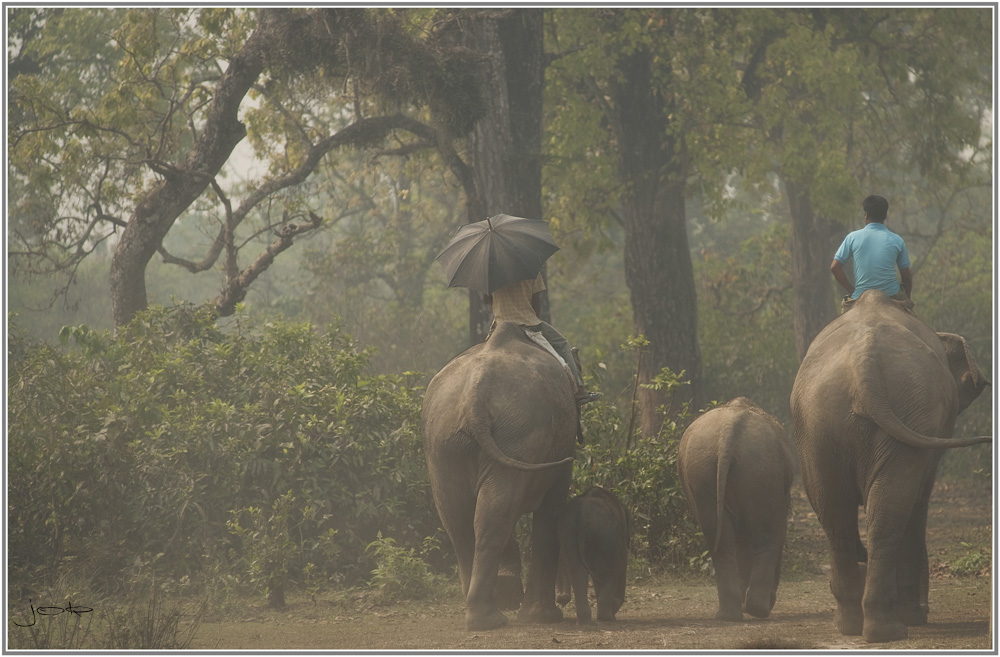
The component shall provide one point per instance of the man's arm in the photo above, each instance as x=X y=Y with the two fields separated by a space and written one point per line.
x=838 y=273
x=906 y=280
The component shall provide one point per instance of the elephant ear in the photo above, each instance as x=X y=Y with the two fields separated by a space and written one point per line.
x=968 y=377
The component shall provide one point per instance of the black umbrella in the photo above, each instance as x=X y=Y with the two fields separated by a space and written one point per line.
x=486 y=255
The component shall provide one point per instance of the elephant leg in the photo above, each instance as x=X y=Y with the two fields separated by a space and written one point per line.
x=890 y=505
x=913 y=569
x=564 y=587
x=727 y=574
x=761 y=594
x=611 y=595
x=838 y=514
x=510 y=590
x=744 y=563
x=768 y=541
x=494 y=527
x=457 y=515
x=609 y=600
x=540 y=590
x=580 y=579
x=572 y=576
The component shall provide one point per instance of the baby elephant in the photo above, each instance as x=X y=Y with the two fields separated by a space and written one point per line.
x=735 y=466
x=594 y=533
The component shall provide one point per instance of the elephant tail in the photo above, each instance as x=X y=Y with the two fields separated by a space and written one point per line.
x=483 y=436
x=873 y=402
x=723 y=464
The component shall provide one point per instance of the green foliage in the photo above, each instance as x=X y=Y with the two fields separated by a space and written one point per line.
x=144 y=445
x=642 y=473
x=976 y=562
x=745 y=320
x=267 y=547
x=402 y=573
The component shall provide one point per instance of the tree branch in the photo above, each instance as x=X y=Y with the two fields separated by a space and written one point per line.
x=236 y=288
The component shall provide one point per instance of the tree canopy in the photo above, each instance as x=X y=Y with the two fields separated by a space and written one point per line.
x=696 y=164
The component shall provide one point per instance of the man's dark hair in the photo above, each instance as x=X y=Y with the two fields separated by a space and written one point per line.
x=876 y=207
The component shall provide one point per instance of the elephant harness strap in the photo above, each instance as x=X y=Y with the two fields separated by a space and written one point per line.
x=539 y=339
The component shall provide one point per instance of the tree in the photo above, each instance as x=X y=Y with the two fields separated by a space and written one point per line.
x=149 y=138
x=652 y=100
x=505 y=149
x=843 y=97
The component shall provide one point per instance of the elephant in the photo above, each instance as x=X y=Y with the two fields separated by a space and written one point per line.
x=874 y=405
x=736 y=467
x=499 y=426
x=594 y=533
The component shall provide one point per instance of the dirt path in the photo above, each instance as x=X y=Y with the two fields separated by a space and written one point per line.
x=657 y=615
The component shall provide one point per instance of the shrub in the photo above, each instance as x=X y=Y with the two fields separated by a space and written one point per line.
x=642 y=473
x=401 y=573
x=977 y=562
x=143 y=445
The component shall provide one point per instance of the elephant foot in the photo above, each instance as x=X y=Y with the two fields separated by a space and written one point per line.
x=759 y=606
x=562 y=599
x=606 y=617
x=734 y=615
x=849 y=622
x=882 y=632
x=536 y=613
x=484 y=621
x=509 y=592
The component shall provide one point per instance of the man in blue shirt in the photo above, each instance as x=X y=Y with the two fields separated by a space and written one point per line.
x=877 y=253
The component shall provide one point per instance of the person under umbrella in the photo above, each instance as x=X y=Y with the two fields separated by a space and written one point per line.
x=520 y=302
x=503 y=257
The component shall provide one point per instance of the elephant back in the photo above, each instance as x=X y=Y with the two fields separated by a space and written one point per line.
x=509 y=396
x=880 y=364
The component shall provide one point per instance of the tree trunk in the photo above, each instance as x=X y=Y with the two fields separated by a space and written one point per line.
x=157 y=210
x=658 y=267
x=506 y=144
x=813 y=246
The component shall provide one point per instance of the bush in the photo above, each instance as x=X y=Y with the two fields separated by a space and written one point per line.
x=401 y=573
x=147 y=445
x=975 y=562
x=642 y=473
x=253 y=457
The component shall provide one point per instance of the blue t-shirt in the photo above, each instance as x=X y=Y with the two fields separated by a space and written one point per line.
x=877 y=251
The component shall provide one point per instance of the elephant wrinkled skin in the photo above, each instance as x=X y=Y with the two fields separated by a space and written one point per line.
x=874 y=403
x=594 y=533
x=499 y=425
x=736 y=468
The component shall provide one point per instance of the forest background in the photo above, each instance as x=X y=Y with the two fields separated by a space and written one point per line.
x=222 y=226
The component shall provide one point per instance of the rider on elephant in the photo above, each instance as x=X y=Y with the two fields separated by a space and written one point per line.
x=520 y=302
x=877 y=252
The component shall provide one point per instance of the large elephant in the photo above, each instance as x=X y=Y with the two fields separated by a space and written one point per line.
x=594 y=533
x=874 y=404
x=736 y=468
x=499 y=425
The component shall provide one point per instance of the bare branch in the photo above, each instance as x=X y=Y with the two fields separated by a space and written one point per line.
x=236 y=288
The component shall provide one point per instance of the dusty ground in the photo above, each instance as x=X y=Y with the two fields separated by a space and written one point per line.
x=661 y=615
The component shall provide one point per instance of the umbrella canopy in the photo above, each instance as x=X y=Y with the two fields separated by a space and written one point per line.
x=486 y=255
